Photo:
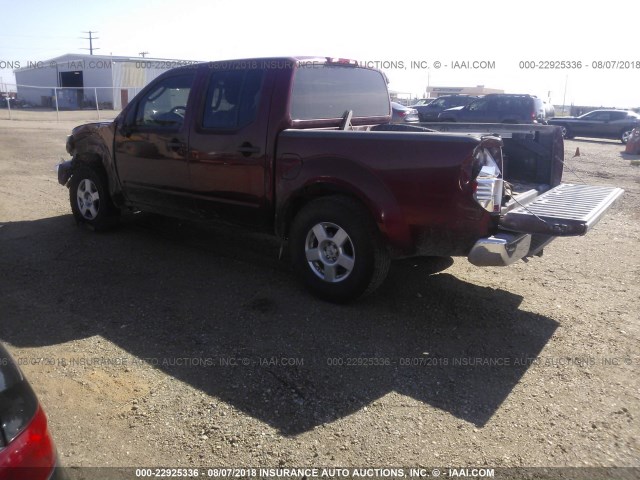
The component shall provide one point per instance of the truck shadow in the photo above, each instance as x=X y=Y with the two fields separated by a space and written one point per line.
x=167 y=291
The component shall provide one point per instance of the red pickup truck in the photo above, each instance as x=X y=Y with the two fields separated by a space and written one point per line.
x=303 y=147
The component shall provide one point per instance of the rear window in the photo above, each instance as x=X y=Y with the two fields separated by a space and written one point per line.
x=618 y=115
x=327 y=91
x=511 y=104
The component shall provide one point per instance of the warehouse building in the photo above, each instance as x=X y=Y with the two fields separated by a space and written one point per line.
x=434 y=92
x=75 y=81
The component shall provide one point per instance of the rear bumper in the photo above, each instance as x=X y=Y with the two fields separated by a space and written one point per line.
x=500 y=250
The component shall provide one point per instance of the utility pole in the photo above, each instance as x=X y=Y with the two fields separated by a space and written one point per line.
x=91 y=38
x=142 y=54
x=564 y=97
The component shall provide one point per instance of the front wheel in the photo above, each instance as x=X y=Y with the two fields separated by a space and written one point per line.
x=89 y=198
x=336 y=250
x=624 y=136
x=566 y=133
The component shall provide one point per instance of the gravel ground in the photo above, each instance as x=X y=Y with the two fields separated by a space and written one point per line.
x=167 y=344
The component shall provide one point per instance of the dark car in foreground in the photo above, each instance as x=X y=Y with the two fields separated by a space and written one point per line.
x=430 y=111
x=499 y=108
x=613 y=124
x=26 y=447
x=402 y=114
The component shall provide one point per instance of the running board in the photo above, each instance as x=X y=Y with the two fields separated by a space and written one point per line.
x=566 y=210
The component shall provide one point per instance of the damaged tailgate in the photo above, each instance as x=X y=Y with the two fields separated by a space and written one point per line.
x=566 y=210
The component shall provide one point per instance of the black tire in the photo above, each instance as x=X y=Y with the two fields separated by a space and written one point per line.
x=566 y=133
x=363 y=252
x=90 y=201
x=625 y=135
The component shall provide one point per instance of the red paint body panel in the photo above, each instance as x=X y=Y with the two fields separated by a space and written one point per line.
x=411 y=182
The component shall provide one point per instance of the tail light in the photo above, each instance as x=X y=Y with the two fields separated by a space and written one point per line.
x=26 y=447
x=31 y=455
x=486 y=178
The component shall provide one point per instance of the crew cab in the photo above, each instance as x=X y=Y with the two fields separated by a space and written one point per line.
x=303 y=147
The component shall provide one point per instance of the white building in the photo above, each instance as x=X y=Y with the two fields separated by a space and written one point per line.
x=74 y=80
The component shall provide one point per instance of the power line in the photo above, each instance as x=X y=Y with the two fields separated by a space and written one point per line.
x=91 y=38
x=142 y=54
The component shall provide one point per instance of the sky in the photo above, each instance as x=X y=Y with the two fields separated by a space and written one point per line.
x=511 y=44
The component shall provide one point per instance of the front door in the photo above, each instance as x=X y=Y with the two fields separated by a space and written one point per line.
x=151 y=147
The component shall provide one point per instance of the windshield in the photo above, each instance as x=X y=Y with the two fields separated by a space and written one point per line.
x=327 y=91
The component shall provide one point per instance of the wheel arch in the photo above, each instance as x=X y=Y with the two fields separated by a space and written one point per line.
x=386 y=213
x=303 y=197
x=98 y=158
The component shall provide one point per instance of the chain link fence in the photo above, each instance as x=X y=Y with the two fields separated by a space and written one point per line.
x=28 y=102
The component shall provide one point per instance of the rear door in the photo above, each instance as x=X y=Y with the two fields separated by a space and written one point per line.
x=227 y=146
x=477 y=111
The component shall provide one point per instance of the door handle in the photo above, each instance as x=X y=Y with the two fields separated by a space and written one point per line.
x=246 y=149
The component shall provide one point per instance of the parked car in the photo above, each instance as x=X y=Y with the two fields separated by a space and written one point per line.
x=499 y=108
x=614 y=124
x=26 y=447
x=430 y=111
x=402 y=114
x=310 y=155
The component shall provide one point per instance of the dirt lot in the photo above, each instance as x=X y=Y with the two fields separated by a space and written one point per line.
x=166 y=344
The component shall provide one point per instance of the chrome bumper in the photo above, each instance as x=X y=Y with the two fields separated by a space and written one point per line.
x=500 y=250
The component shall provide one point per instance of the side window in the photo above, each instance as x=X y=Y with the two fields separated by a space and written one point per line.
x=456 y=102
x=601 y=117
x=232 y=99
x=479 y=105
x=165 y=105
x=250 y=97
x=502 y=103
x=618 y=115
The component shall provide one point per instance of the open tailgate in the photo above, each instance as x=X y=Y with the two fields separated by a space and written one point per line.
x=566 y=210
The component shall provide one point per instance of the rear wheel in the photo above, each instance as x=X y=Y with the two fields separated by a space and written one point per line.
x=625 y=135
x=336 y=250
x=89 y=198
